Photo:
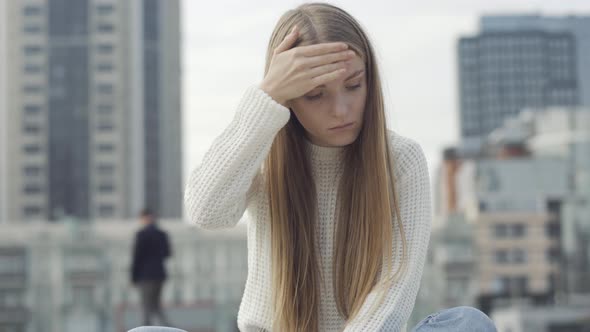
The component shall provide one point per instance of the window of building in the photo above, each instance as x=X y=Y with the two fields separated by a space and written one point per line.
x=501 y=256
x=519 y=256
x=106 y=147
x=30 y=68
x=518 y=230
x=13 y=261
x=11 y=298
x=105 y=27
x=551 y=281
x=32 y=89
x=552 y=229
x=105 y=88
x=106 y=188
x=32 y=189
x=104 y=8
x=106 y=169
x=502 y=285
x=482 y=206
x=31 y=211
x=32 y=10
x=106 y=210
x=104 y=49
x=31 y=50
x=500 y=230
x=31 y=170
x=31 y=128
x=32 y=148
x=519 y=285
x=105 y=109
x=105 y=126
x=32 y=29
x=104 y=67
x=32 y=109
x=553 y=255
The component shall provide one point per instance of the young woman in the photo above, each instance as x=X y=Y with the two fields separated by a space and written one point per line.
x=334 y=198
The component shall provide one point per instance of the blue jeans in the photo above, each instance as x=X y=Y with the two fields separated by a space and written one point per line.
x=456 y=319
x=459 y=319
x=155 y=329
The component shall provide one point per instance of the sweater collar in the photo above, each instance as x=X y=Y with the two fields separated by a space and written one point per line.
x=322 y=153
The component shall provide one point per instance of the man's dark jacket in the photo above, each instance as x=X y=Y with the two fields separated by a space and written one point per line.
x=150 y=249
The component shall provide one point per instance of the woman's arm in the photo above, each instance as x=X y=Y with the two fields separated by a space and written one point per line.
x=218 y=190
x=415 y=208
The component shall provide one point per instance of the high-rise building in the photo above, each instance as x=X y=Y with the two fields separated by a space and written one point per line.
x=578 y=26
x=91 y=109
x=3 y=112
x=517 y=62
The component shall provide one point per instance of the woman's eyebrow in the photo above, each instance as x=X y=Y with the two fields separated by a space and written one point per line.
x=355 y=74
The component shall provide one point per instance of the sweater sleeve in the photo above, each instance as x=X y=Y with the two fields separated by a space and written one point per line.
x=219 y=189
x=415 y=209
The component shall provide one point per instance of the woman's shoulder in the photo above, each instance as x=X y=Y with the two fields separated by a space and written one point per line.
x=407 y=153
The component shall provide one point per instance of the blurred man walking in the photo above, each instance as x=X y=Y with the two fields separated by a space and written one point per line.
x=148 y=273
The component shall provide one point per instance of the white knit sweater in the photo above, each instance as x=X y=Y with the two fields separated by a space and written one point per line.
x=227 y=183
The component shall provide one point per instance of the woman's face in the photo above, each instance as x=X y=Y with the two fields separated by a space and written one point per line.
x=339 y=102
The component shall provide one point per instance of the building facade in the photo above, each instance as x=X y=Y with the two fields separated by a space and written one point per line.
x=91 y=108
x=516 y=62
x=72 y=276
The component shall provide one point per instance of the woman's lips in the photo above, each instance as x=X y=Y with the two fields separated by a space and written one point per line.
x=345 y=126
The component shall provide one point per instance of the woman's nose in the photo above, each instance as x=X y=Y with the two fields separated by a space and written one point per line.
x=339 y=106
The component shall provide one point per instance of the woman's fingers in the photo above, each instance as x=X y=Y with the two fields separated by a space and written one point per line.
x=323 y=48
x=320 y=70
x=288 y=41
x=328 y=58
x=328 y=77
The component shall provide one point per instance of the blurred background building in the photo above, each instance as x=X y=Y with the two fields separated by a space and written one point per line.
x=68 y=276
x=92 y=98
x=521 y=61
x=512 y=228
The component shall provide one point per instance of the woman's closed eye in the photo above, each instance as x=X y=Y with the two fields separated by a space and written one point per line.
x=354 y=87
x=319 y=95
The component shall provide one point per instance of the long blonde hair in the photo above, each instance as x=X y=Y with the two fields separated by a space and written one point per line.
x=367 y=203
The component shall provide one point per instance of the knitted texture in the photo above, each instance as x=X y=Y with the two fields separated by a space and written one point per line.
x=227 y=186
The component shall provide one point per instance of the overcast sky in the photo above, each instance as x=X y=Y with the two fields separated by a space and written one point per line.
x=225 y=43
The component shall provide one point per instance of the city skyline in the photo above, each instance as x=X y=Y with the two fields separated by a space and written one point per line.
x=510 y=226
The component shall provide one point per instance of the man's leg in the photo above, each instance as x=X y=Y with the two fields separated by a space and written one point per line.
x=158 y=303
x=145 y=293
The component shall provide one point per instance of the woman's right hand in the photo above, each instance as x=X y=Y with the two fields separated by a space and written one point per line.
x=295 y=71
